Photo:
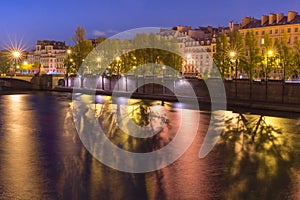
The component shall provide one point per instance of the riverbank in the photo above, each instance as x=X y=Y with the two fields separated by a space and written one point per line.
x=204 y=102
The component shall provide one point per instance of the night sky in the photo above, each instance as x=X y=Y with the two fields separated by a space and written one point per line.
x=31 y=20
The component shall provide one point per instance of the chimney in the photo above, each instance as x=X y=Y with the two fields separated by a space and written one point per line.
x=245 y=21
x=279 y=17
x=272 y=18
x=291 y=16
x=264 y=19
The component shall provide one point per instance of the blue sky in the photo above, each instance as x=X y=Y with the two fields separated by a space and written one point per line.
x=31 y=20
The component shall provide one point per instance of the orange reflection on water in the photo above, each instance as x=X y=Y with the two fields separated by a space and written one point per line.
x=20 y=165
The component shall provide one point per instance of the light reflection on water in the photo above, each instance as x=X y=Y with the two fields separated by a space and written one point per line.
x=41 y=156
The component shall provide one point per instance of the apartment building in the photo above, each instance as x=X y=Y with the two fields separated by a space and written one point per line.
x=197 y=46
x=275 y=25
x=51 y=56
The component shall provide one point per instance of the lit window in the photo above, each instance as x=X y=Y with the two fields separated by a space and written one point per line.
x=262 y=41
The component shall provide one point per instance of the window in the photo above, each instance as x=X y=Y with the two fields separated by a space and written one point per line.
x=256 y=32
x=263 y=32
x=296 y=30
x=282 y=30
x=270 y=32
x=276 y=31
x=296 y=38
x=289 y=30
x=262 y=41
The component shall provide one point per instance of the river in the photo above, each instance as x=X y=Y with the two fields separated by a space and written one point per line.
x=42 y=156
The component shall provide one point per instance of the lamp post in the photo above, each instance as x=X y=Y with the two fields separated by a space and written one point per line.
x=188 y=62
x=16 y=55
x=102 y=76
x=68 y=66
x=163 y=77
x=118 y=71
x=269 y=55
x=233 y=56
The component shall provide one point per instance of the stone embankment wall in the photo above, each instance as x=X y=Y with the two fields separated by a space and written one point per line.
x=271 y=91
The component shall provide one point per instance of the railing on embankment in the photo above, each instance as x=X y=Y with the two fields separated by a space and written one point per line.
x=274 y=95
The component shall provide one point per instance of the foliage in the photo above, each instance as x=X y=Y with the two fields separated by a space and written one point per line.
x=285 y=54
x=252 y=55
x=4 y=62
x=121 y=56
x=79 y=51
x=221 y=58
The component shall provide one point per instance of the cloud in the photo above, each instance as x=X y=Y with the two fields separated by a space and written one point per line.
x=98 y=33
x=112 y=31
x=107 y=33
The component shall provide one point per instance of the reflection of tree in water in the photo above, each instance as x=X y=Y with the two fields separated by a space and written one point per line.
x=148 y=119
x=259 y=158
x=140 y=115
x=80 y=176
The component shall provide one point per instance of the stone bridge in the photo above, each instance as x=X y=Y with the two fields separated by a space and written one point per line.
x=29 y=82
x=14 y=83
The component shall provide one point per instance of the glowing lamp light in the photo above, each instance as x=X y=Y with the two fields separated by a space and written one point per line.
x=16 y=54
x=270 y=53
x=232 y=54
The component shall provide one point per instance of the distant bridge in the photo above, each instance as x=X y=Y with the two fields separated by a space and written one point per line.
x=19 y=83
x=29 y=82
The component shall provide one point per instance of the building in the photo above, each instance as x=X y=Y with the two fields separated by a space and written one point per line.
x=197 y=47
x=51 y=56
x=275 y=25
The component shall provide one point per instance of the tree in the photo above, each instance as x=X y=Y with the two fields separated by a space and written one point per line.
x=296 y=56
x=80 y=51
x=236 y=50
x=79 y=35
x=100 y=39
x=221 y=58
x=285 y=53
x=252 y=55
x=4 y=62
x=269 y=55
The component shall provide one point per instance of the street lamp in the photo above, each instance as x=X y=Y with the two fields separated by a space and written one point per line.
x=269 y=54
x=188 y=63
x=69 y=60
x=118 y=70
x=233 y=56
x=16 y=55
